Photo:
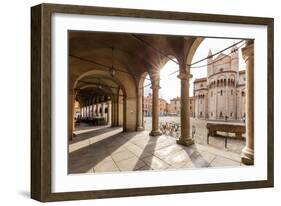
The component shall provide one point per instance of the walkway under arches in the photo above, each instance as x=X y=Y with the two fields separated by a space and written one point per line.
x=105 y=91
x=108 y=149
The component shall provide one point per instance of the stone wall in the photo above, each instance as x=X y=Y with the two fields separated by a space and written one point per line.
x=221 y=95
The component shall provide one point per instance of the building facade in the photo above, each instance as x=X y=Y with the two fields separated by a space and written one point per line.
x=147 y=106
x=174 y=106
x=221 y=95
x=166 y=109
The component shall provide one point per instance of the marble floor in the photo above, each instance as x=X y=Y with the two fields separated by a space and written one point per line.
x=108 y=149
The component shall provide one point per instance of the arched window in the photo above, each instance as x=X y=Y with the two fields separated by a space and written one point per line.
x=221 y=92
x=243 y=94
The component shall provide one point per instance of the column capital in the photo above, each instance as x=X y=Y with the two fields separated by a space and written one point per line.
x=184 y=76
x=248 y=52
x=155 y=87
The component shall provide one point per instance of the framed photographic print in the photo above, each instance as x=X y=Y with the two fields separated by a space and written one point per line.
x=132 y=102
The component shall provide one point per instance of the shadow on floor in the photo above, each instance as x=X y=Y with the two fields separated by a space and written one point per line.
x=90 y=134
x=197 y=159
x=150 y=146
x=84 y=159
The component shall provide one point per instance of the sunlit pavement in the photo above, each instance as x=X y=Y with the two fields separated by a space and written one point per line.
x=108 y=149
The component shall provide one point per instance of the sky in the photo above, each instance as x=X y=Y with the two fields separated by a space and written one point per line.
x=170 y=84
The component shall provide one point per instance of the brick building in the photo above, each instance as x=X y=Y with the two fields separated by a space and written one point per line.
x=147 y=106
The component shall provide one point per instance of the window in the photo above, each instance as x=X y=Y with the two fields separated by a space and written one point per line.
x=220 y=114
x=231 y=114
x=221 y=92
x=201 y=85
x=211 y=93
x=231 y=92
x=221 y=69
x=211 y=113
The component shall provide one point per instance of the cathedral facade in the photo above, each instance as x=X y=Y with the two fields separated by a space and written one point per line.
x=221 y=95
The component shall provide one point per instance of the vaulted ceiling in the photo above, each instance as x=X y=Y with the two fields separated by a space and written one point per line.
x=131 y=53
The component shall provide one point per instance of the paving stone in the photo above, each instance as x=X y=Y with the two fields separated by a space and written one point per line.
x=126 y=154
x=163 y=144
x=130 y=164
x=219 y=152
x=223 y=162
x=178 y=159
x=201 y=159
x=137 y=151
x=161 y=153
x=146 y=167
x=106 y=166
x=120 y=149
x=155 y=163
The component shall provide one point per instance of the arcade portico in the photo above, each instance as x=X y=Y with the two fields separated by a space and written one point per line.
x=107 y=73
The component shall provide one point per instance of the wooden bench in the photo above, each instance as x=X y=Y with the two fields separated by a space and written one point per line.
x=228 y=128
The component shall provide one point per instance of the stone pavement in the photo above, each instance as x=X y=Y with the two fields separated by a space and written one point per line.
x=108 y=149
x=233 y=144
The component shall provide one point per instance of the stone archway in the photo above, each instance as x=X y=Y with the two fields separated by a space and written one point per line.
x=125 y=83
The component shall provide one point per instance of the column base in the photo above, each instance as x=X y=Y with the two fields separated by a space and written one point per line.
x=185 y=142
x=140 y=128
x=247 y=156
x=155 y=133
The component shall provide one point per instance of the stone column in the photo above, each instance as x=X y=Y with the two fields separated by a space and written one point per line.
x=113 y=113
x=108 y=112
x=247 y=156
x=93 y=107
x=88 y=108
x=155 y=106
x=117 y=110
x=102 y=109
x=185 y=138
x=98 y=109
x=139 y=109
x=85 y=108
x=71 y=124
